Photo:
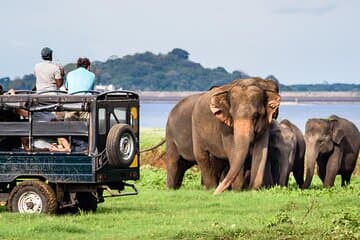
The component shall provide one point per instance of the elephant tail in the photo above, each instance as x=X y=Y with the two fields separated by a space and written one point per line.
x=154 y=147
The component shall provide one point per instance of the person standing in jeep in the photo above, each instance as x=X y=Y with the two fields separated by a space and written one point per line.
x=49 y=76
x=80 y=79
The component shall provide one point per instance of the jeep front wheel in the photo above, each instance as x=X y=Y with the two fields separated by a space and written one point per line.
x=121 y=145
x=33 y=197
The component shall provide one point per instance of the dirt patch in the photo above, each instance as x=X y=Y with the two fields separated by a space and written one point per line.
x=155 y=158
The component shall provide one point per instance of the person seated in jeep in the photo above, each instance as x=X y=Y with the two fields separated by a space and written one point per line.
x=60 y=144
x=51 y=144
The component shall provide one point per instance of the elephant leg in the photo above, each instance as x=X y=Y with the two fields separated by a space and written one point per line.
x=345 y=179
x=298 y=171
x=284 y=174
x=322 y=170
x=268 y=178
x=333 y=166
x=242 y=180
x=347 y=167
x=258 y=162
x=172 y=167
x=208 y=174
x=239 y=181
x=246 y=179
x=183 y=166
x=275 y=170
x=219 y=167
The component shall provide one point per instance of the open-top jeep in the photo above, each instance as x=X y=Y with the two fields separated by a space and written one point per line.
x=35 y=180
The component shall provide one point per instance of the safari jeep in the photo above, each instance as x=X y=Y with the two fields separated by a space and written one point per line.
x=43 y=181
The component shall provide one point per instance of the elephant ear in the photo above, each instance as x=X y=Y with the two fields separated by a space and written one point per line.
x=337 y=133
x=273 y=103
x=220 y=107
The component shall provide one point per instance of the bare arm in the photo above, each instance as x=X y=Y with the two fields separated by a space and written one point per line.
x=59 y=82
x=21 y=112
x=59 y=78
x=63 y=146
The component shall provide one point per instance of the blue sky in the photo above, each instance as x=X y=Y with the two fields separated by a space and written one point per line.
x=297 y=41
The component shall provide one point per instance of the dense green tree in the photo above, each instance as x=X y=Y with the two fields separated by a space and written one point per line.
x=180 y=53
x=166 y=72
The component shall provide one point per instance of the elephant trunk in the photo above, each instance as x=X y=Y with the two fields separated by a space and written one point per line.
x=310 y=157
x=243 y=133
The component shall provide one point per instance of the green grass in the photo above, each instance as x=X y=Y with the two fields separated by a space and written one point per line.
x=192 y=213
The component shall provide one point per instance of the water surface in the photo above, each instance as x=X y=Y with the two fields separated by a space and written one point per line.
x=155 y=114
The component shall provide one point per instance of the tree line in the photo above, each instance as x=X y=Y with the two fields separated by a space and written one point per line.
x=166 y=72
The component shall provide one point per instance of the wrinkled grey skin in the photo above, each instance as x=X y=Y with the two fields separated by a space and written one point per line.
x=226 y=123
x=334 y=144
x=286 y=153
x=180 y=155
x=179 y=146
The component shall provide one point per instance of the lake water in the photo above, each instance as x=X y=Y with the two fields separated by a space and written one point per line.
x=155 y=114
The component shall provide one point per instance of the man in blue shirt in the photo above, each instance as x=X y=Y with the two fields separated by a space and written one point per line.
x=80 y=79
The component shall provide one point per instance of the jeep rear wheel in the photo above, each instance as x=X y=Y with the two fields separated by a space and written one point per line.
x=33 y=197
x=121 y=145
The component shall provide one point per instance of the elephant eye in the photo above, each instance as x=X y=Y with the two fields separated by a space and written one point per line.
x=256 y=115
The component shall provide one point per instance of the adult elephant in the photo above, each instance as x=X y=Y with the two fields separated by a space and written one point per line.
x=286 y=153
x=179 y=144
x=334 y=144
x=230 y=120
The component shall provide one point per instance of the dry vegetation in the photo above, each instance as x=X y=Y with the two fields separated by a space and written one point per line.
x=155 y=158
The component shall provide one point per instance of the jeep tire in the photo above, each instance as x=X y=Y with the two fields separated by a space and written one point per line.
x=33 y=197
x=121 y=146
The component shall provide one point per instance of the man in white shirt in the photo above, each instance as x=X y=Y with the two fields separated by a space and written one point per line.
x=49 y=76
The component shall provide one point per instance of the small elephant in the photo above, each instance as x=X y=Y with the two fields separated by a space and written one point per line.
x=334 y=144
x=286 y=153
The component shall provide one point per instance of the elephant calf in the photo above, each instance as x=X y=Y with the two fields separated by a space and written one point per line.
x=334 y=144
x=286 y=153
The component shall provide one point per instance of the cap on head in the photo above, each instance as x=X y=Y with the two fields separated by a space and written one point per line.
x=46 y=53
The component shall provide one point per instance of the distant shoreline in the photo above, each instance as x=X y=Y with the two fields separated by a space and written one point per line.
x=287 y=97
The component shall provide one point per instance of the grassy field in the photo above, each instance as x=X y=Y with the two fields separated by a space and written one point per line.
x=192 y=213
